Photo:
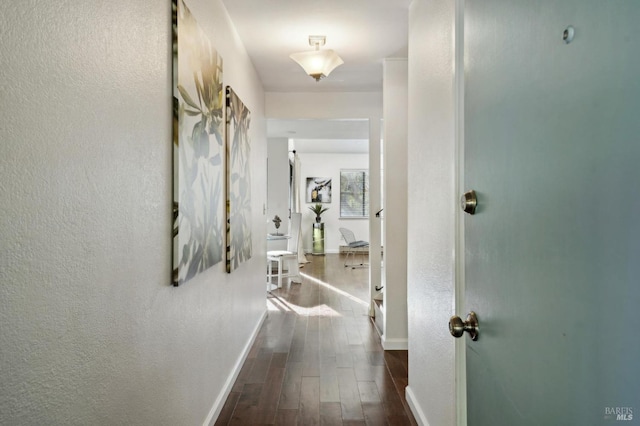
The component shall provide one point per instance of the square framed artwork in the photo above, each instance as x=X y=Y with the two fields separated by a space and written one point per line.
x=318 y=190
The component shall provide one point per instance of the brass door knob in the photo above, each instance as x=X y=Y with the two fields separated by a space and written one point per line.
x=457 y=327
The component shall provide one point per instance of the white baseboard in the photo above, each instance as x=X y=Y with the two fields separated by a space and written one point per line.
x=394 y=344
x=226 y=389
x=418 y=414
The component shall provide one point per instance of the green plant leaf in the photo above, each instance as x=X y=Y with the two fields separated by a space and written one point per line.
x=192 y=112
x=200 y=140
x=187 y=98
x=318 y=209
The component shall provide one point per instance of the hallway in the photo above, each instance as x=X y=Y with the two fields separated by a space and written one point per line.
x=318 y=360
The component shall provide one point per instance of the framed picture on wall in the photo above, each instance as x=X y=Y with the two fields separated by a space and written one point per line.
x=198 y=165
x=318 y=190
x=238 y=150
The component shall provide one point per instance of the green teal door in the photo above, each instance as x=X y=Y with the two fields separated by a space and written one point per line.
x=552 y=254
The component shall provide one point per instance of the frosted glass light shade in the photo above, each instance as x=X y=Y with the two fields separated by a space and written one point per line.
x=318 y=63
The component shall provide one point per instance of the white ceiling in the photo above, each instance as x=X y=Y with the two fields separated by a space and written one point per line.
x=362 y=32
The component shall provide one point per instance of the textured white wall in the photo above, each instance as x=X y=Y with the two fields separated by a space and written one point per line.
x=395 y=206
x=431 y=223
x=324 y=105
x=329 y=165
x=92 y=332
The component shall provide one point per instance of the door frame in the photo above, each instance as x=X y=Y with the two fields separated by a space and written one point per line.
x=459 y=278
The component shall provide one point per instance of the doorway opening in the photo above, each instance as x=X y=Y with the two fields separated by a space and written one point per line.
x=328 y=154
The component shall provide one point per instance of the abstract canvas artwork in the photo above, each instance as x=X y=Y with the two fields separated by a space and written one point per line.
x=198 y=185
x=238 y=148
x=318 y=190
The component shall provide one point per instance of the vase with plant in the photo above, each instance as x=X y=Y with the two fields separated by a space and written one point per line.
x=276 y=221
x=318 y=210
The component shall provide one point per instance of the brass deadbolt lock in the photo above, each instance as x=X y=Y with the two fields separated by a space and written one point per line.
x=469 y=202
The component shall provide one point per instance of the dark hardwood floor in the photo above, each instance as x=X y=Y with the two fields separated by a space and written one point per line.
x=318 y=360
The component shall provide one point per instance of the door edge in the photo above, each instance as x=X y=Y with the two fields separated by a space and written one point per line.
x=459 y=279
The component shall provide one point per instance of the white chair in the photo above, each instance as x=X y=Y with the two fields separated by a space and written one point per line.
x=290 y=254
x=353 y=246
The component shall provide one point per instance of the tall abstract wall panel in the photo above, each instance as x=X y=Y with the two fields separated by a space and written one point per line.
x=238 y=182
x=198 y=137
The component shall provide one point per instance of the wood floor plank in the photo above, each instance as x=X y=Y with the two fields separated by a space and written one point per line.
x=353 y=335
x=397 y=363
x=327 y=344
x=330 y=414
x=227 y=410
x=369 y=373
x=260 y=366
x=243 y=375
x=246 y=408
x=310 y=401
x=284 y=335
x=344 y=360
x=369 y=392
x=290 y=395
x=270 y=396
x=349 y=395
x=287 y=418
x=313 y=324
x=296 y=352
x=403 y=420
x=311 y=363
x=374 y=414
x=329 y=389
x=317 y=359
x=377 y=358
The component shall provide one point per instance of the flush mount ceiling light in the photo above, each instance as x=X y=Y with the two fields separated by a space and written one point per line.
x=317 y=63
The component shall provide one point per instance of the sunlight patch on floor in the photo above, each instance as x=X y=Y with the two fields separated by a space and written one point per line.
x=274 y=303
x=334 y=289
